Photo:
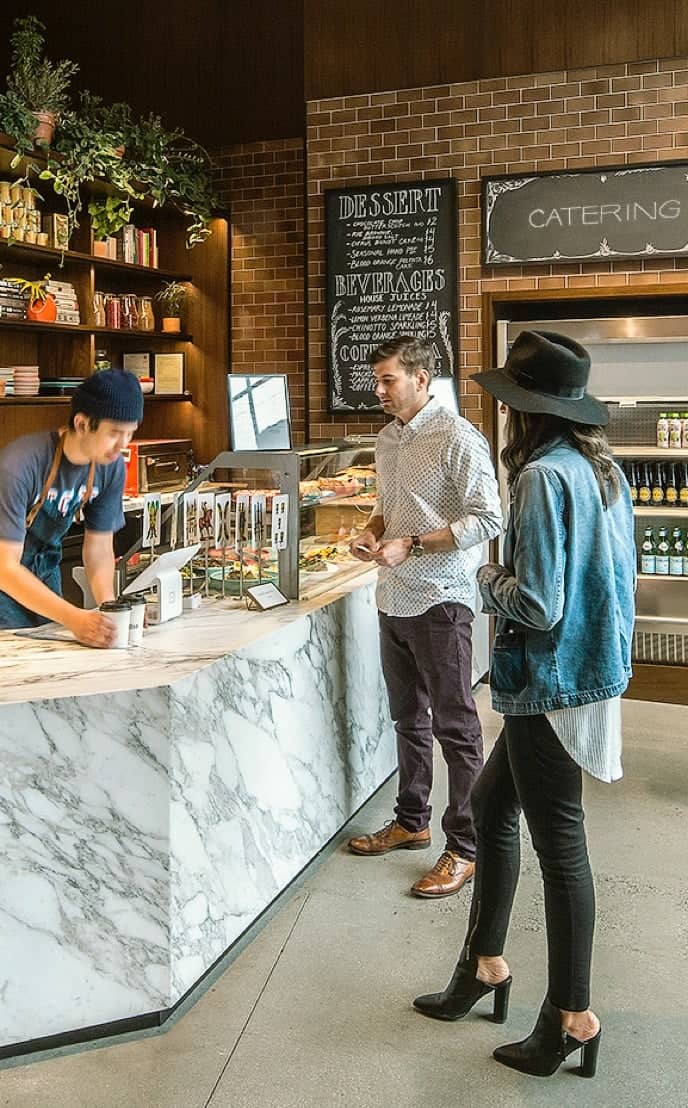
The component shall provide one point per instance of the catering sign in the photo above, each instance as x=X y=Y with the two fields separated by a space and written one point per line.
x=621 y=212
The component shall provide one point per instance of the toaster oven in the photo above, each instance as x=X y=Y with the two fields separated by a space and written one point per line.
x=157 y=465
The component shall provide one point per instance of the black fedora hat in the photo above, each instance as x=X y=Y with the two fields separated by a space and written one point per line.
x=546 y=372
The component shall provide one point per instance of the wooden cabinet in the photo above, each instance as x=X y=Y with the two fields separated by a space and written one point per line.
x=63 y=350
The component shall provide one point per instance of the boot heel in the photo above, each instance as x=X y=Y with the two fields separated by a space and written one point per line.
x=589 y=1052
x=500 y=1010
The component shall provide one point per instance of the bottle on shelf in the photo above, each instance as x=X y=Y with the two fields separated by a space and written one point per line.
x=648 y=552
x=684 y=430
x=683 y=485
x=670 y=486
x=676 y=552
x=657 y=487
x=632 y=478
x=662 y=553
x=663 y=430
x=644 y=489
x=675 y=431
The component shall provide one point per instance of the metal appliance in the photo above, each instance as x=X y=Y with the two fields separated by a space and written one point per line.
x=157 y=465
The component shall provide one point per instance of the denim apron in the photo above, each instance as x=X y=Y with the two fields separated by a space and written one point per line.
x=42 y=553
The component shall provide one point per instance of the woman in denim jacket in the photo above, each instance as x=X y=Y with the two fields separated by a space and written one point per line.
x=561 y=658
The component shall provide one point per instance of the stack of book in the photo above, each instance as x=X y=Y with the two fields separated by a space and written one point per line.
x=12 y=301
x=135 y=245
x=64 y=294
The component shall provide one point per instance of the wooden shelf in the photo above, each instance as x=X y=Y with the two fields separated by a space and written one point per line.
x=661 y=577
x=15 y=401
x=84 y=329
x=30 y=253
x=667 y=512
x=659 y=453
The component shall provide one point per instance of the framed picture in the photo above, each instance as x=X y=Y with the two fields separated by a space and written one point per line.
x=139 y=364
x=168 y=370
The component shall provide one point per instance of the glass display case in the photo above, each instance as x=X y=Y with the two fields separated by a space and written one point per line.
x=330 y=492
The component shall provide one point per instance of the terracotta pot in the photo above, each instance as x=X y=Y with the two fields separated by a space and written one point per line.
x=171 y=323
x=42 y=311
x=99 y=248
x=46 y=127
x=118 y=151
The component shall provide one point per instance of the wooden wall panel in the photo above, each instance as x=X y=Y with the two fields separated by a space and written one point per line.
x=354 y=46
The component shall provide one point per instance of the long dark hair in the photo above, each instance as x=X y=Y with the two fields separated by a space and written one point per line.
x=526 y=432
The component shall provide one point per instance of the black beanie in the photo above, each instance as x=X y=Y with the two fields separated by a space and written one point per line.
x=110 y=394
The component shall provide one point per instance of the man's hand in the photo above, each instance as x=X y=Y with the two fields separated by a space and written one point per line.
x=394 y=552
x=92 y=628
x=365 y=547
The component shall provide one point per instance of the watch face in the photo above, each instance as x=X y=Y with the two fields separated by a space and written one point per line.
x=417 y=550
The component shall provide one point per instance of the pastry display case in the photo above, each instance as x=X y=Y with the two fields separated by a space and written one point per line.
x=299 y=542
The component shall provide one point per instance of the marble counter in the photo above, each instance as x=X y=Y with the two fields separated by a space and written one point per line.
x=153 y=802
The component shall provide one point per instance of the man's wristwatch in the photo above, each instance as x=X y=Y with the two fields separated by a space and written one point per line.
x=417 y=549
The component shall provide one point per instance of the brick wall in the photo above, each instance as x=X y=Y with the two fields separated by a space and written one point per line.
x=599 y=116
x=262 y=184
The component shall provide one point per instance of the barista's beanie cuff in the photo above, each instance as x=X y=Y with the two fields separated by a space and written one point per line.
x=110 y=394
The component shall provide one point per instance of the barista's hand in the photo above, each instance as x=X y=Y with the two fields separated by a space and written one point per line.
x=92 y=628
x=364 y=547
x=394 y=552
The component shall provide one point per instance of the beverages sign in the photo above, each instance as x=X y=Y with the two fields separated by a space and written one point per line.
x=629 y=212
x=391 y=270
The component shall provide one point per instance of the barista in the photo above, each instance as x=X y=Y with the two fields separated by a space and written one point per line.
x=46 y=480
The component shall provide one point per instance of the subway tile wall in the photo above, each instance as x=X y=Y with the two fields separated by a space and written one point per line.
x=262 y=185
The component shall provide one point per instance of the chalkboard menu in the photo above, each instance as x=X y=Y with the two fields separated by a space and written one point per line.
x=623 y=212
x=391 y=270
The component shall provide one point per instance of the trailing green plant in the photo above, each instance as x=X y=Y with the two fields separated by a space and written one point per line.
x=172 y=295
x=42 y=85
x=173 y=169
x=108 y=216
x=18 y=122
x=112 y=120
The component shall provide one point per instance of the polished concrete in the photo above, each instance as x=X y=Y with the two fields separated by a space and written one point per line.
x=315 y=1011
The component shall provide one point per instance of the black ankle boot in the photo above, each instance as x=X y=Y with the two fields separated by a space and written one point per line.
x=547 y=1046
x=463 y=991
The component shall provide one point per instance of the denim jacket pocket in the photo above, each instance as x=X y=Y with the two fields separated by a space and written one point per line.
x=509 y=670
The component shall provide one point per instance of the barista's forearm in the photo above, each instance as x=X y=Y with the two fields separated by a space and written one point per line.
x=100 y=577
x=19 y=583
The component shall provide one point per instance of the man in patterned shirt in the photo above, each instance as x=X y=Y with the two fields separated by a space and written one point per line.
x=437 y=504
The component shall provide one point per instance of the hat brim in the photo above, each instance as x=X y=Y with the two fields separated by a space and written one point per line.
x=585 y=410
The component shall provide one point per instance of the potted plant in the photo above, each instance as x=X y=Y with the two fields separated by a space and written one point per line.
x=41 y=307
x=36 y=84
x=171 y=296
x=108 y=216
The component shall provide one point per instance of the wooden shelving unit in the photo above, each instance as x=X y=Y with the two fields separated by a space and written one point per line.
x=200 y=413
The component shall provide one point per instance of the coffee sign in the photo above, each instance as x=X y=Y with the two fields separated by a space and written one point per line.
x=629 y=212
x=391 y=270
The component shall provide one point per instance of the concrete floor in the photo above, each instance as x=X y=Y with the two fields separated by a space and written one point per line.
x=315 y=1012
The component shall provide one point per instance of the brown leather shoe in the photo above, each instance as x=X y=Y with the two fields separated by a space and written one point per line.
x=391 y=837
x=449 y=873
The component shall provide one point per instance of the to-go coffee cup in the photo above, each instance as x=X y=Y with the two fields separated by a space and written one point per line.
x=119 y=611
x=138 y=611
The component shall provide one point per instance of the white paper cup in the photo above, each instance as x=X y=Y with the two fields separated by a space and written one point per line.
x=138 y=609
x=119 y=611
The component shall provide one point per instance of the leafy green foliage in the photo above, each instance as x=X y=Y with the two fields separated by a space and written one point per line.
x=172 y=296
x=42 y=85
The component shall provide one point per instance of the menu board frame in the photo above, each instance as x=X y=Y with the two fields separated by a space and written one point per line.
x=406 y=256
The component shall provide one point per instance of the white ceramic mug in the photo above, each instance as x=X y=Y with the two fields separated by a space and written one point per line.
x=119 y=611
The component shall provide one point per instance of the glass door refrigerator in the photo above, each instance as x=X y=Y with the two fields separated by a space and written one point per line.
x=640 y=369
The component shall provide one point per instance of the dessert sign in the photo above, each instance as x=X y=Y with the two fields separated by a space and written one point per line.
x=391 y=270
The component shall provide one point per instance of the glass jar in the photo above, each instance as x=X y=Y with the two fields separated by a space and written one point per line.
x=113 y=310
x=145 y=310
x=98 y=309
x=102 y=361
x=130 y=315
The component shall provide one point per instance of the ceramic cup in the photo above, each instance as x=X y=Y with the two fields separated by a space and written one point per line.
x=138 y=609
x=119 y=611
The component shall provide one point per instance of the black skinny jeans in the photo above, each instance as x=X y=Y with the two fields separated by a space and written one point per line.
x=529 y=770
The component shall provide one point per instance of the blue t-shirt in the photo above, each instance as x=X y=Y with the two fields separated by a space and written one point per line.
x=24 y=466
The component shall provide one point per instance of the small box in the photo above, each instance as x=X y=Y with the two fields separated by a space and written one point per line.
x=57 y=226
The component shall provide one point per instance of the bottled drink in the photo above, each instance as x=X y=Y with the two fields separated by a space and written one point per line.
x=662 y=552
x=676 y=551
x=675 y=431
x=670 y=486
x=684 y=430
x=648 y=552
x=683 y=485
x=632 y=477
x=663 y=430
x=644 y=490
x=657 y=487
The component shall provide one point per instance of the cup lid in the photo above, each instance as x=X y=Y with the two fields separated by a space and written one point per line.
x=121 y=605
